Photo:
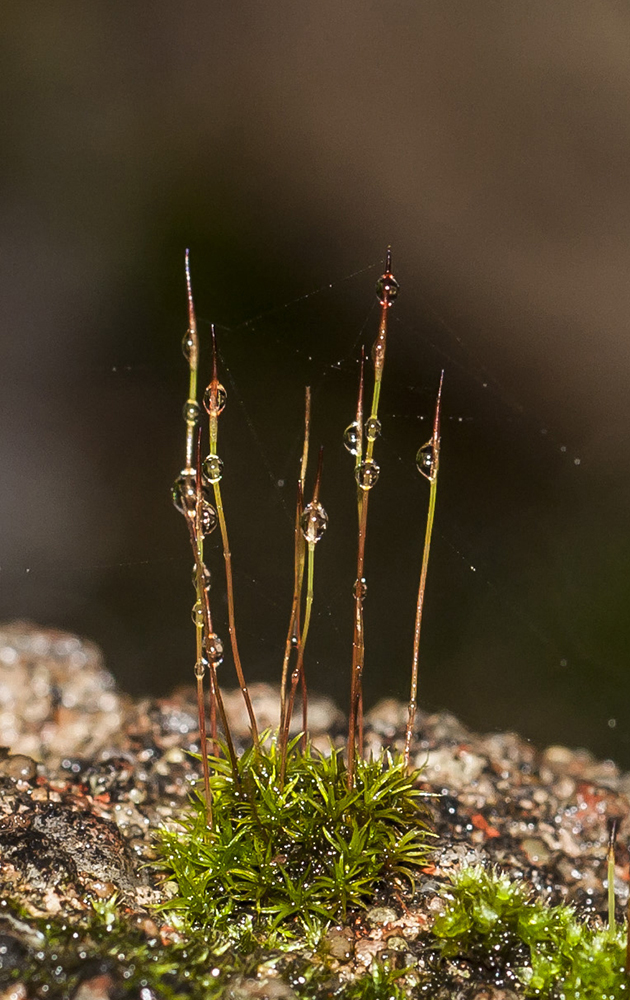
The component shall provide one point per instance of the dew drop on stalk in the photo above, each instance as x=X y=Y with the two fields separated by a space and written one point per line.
x=367 y=474
x=351 y=438
x=206 y=577
x=212 y=469
x=208 y=518
x=360 y=588
x=214 y=649
x=386 y=289
x=200 y=669
x=191 y=412
x=215 y=398
x=197 y=613
x=424 y=459
x=187 y=345
x=372 y=428
x=313 y=522
x=184 y=492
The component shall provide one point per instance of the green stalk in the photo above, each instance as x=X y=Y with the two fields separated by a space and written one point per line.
x=428 y=459
x=313 y=524
x=293 y=634
x=298 y=670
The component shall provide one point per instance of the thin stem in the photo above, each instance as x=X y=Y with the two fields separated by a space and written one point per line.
x=358 y=641
x=214 y=402
x=293 y=634
x=298 y=670
x=227 y=555
x=612 y=926
x=430 y=458
x=386 y=290
x=192 y=352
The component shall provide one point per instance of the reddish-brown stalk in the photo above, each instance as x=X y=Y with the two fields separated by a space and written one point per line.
x=428 y=462
x=366 y=474
x=214 y=402
x=213 y=649
x=197 y=540
x=293 y=634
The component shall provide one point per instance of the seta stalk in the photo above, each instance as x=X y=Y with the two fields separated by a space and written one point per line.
x=428 y=463
x=366 y=474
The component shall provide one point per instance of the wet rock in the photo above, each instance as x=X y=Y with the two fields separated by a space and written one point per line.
x=453 y=770
x=340 y=943
x=259 y=989
x=53 y=847
x=536 y=850
x=56 y=697
x=323 y=714
x=99 y=987
x=381 y=915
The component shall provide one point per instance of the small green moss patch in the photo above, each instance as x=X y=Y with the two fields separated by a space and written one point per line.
x=491 y=920
x=306 y=849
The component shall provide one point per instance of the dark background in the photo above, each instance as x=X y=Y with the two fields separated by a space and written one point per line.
x=287 y=143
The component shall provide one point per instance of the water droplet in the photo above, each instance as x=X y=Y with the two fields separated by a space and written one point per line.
x=352 y=438
x=212 y=469
x=360 y=588
x=208 y=518
x=563 y=447
x=372 y=428
x=187 y=345
x=313 y=522
x=214 y=649
x=191 y=411
x=367 y=474
x=206 y=578
x=184 y=495
x=424 y=460
x=200 y=669
x=294 y=641
x=184 y=492
x=577 y=461
x=197 y=613
x=386 y=289
x=215 y=398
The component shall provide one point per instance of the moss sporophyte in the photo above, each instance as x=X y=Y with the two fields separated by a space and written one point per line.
x=284 y=829
x=283 y=839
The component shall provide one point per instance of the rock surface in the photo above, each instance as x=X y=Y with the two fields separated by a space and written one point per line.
x=88 y=775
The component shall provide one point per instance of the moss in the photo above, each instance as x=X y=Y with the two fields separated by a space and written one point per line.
x=306 y=849
x=495 y=922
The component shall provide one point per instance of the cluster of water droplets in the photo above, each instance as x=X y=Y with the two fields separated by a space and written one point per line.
x=367 y=473
x=313 y=522
x=184 y=494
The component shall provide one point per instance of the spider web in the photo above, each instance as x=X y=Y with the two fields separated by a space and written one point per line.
x=496 y=648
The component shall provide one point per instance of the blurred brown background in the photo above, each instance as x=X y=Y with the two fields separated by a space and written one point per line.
x=287 y=144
